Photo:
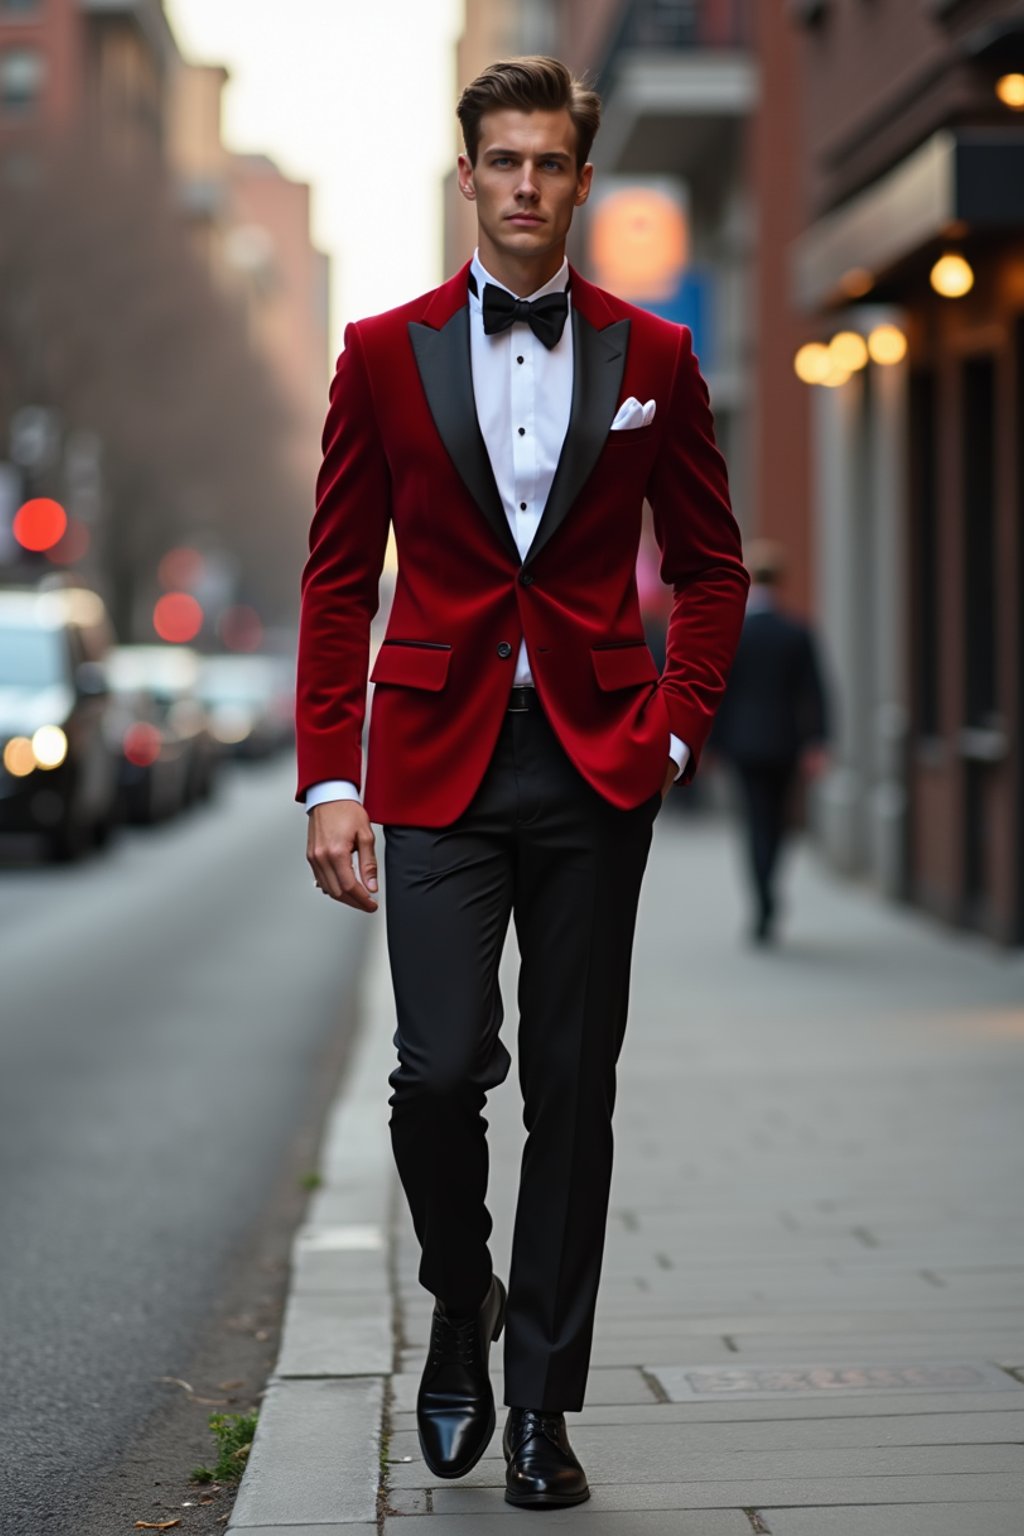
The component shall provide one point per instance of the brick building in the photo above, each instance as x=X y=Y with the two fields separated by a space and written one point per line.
x=907 y=146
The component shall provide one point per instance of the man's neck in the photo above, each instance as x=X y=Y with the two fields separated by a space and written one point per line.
x=521 y=276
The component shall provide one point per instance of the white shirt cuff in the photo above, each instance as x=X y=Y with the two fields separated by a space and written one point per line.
x=330 y=789
x=679 y=752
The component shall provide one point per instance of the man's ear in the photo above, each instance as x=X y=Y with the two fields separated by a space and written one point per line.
x=466 y=183
x=586 y=177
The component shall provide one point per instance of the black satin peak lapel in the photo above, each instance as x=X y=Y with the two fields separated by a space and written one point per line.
x=598 y=363
x=443 y=359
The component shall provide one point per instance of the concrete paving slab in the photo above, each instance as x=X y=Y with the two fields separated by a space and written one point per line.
x=637 y=1455
x=337 y=1336
x=315 y=1457
x=784 y=1409
x=585 y=1520
x=660 y=1443
x=988 y=1519
x=763 y=1494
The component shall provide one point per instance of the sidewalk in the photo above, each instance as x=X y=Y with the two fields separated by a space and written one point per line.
x=812 y=1312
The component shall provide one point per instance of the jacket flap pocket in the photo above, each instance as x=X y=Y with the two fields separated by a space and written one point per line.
x=623 y=666
x=412 y=666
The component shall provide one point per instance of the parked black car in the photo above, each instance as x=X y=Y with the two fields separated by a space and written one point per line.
x=168 y=754
x=58 y=776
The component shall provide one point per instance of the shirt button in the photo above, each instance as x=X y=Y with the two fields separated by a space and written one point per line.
x=504 y=649
x=526 y=578
x=522 y=431
x=520 y=359
x=522 y=506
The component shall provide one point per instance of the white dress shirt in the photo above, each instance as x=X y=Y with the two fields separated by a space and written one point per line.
x=523 y=395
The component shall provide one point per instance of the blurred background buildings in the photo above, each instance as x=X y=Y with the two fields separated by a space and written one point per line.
x=830 y=192
x=163 y=320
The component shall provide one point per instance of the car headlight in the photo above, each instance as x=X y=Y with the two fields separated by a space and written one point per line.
x=49 y=746
x=19 y=758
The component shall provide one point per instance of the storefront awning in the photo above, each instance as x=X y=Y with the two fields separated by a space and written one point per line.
x=970 y=176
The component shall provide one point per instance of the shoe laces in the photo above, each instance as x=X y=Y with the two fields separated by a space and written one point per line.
x=535 y=1421
x=452 y=1340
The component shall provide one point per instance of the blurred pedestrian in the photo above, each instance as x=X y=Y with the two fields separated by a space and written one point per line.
x=772 y=726
x=510 y=425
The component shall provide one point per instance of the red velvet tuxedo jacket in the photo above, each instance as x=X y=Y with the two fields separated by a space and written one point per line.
x=402 y=446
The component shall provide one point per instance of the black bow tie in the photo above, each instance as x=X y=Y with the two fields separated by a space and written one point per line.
x=545 y=316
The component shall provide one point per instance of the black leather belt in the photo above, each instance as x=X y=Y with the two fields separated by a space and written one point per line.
x=522 y=699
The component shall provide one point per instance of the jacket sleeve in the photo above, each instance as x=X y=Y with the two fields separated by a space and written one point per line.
x=340 y=580
x=701 y=558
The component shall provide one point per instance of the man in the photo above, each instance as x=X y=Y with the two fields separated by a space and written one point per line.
x=773 y=723
x=509 y=425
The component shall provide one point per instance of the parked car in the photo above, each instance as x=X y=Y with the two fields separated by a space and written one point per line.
x=168 y=754
x=58 y=775
x=151 y=760
x=251 y=703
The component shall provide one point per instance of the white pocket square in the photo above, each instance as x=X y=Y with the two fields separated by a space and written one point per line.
x=631 y=414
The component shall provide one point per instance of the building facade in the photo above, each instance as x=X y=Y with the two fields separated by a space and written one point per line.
x=910 y=161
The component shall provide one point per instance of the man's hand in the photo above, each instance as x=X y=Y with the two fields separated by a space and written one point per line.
x=670 y=778
x=337 y=829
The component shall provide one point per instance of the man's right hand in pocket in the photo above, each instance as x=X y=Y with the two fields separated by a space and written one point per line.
x=339 y=829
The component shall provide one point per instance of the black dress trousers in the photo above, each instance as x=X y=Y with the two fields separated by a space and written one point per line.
x=536 y=843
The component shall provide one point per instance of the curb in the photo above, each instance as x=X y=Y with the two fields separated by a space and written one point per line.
x=316 y=1455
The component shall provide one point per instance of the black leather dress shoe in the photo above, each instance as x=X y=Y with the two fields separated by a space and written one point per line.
x=542 y=1472
x=455 y=1406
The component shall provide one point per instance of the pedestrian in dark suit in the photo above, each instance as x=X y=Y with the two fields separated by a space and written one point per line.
x=509 y=427
x=772 y=725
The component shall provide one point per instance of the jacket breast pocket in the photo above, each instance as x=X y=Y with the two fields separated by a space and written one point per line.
x=623 y=666
x=631 y=436
x=412 y=664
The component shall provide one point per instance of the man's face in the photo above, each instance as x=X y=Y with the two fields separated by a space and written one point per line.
x=525 y=183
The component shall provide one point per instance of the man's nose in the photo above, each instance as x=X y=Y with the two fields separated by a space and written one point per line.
x=527 y=185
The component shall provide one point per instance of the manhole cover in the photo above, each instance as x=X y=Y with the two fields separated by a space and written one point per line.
x=683 y=1383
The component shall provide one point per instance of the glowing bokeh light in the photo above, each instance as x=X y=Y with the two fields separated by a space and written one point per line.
x=812 y=363
x=19 y=759
x=952 y=276
x=39 y=524
x=49 y=746
x=887 y=345
x=240 y=628
x=848 y=350
x=180 y=569
x=141 y=744
x=1010 y=90
x=177 y=617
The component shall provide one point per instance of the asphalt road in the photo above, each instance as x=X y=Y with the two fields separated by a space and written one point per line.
x=165 y=1011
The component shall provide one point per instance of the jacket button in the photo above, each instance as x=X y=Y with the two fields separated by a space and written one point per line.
x=526 y=578
x=504 y=649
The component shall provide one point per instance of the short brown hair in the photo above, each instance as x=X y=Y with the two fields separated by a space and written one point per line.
x=535 y=84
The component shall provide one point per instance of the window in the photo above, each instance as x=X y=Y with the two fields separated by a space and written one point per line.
x=22 y=71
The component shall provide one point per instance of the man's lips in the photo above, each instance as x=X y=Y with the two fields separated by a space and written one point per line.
x=524 y=218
